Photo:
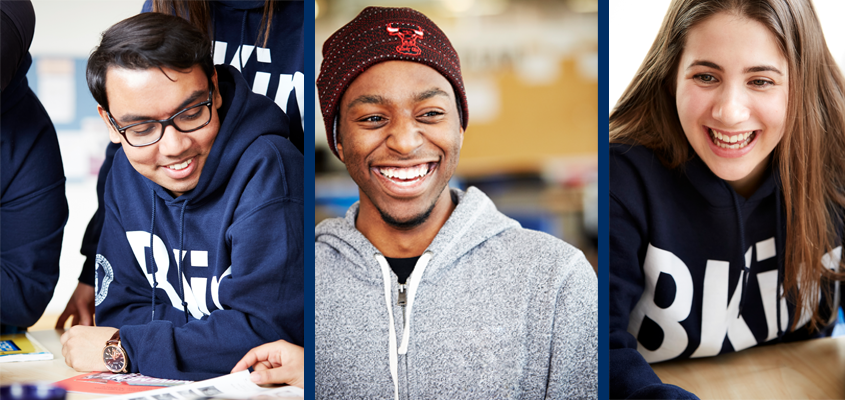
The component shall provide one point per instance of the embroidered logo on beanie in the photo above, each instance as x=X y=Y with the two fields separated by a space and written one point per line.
x=408 y=36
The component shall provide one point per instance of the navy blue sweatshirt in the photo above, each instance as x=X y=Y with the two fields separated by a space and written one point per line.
x=695 y=269
x=275 y=71
x=33 y=207
x=241 y=235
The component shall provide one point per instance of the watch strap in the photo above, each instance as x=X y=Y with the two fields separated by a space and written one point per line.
x=115 y=339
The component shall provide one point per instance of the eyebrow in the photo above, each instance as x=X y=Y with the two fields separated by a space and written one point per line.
x=430 y=93
x=756 y=68
x=197 y=94
x=367 y=99
x=376 y=99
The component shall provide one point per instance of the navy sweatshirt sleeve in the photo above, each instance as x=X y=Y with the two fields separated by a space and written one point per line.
x=33 y=207
x=630 y=375
x=261 y=293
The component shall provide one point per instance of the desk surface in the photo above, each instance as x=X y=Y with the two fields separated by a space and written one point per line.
x=810 y=369
x=43 y=371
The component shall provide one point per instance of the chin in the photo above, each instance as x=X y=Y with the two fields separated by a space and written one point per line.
x=410 y=221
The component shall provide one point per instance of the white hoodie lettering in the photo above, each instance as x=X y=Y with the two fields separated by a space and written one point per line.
x=195 y=292
x=719 y=316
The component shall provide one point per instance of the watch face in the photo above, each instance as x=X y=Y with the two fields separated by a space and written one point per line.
x=114 y=358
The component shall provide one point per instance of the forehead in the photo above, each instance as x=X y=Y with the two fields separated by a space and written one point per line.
x=152 y=88
x=396 y=82
x=733 y=40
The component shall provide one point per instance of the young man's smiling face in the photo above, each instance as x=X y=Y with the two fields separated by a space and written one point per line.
x=176 y=161
x=400 y=136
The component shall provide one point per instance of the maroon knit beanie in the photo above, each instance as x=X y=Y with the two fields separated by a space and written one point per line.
x=380 y=34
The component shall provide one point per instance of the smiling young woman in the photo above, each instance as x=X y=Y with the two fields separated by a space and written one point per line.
x=726 y=188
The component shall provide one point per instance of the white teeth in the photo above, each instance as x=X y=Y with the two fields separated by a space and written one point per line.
x=405 y=173
x=726 y=142
x=183 y=165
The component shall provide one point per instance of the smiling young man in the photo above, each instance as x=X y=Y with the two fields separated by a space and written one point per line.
x=204 y=203
x=422 y=290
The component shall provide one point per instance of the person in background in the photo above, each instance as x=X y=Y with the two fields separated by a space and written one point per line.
x=201 y=257
x=33 y=207
x=271 y=59
x=422 y=290
x=727 y=169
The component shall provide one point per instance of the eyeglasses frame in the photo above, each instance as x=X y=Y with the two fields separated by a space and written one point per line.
x=165 y=122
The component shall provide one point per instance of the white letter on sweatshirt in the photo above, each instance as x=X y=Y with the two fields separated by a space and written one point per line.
x=718 y=315
x=675 y=338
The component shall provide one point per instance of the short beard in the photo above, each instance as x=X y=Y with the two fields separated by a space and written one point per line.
x=414 y=222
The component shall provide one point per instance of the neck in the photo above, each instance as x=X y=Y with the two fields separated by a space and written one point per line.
x=746 y=186
x=397 y=242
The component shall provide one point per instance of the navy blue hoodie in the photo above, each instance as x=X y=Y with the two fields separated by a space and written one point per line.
x=275 y=71
x=33 y=207
x=695 y=269
x=241 y=231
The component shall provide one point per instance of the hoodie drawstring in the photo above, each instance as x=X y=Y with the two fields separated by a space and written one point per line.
x=416 y=276
x=394 y=363
x=150 y=263
x=745 y=269
x=179 y=258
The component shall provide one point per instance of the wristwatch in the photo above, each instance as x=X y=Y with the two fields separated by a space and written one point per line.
x=114 y=356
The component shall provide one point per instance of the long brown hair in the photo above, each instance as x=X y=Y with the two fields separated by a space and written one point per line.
x=199 y=13
x=810 y=156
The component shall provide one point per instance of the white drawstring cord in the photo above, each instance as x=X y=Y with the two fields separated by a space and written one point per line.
x=394 y=363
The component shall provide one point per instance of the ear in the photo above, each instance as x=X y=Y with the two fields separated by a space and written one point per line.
x=114 y=135
x=340 y=149
x=461 y=140
x=218 y=98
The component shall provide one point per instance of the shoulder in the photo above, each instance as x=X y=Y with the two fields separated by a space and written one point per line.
x=633 y=161
x=636 y=173
x=538 y=250
x=272 y=163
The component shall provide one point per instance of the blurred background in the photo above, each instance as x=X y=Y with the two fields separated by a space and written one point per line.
x=531 y=74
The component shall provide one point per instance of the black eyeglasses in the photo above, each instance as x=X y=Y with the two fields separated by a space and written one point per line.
x=149 y=132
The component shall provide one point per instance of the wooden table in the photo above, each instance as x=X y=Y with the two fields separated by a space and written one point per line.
x=812 y=369
x=43 y=371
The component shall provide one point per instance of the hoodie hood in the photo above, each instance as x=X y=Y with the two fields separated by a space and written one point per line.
x=464 y=230
x=243 y=118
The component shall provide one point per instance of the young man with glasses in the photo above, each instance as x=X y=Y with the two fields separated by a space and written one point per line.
x=201 y=254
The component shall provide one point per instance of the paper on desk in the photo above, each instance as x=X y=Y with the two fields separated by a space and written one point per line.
x=22 y=347
x=232 y=386
x=115 y=384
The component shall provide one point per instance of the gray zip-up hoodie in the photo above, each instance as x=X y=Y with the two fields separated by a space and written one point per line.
x=492 y=311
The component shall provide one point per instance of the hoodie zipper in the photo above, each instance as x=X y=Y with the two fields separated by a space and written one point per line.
x=403 y=373
x=401 y=299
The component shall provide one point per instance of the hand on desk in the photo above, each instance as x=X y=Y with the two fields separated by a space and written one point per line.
x=80 y=307
x=276 y=362
x=82 y=347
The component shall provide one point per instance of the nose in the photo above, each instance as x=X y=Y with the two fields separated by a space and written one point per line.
x=731 y=106
x=173 y=143
x=405 y=136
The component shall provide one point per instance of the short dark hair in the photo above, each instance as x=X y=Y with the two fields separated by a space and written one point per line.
x=147 y=40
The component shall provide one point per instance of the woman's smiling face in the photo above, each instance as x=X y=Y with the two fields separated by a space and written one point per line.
x=732 y=92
